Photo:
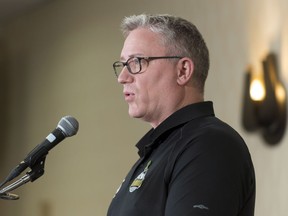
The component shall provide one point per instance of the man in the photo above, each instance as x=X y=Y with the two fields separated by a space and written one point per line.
x=191 y=163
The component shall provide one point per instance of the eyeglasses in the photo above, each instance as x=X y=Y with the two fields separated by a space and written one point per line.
x=137 y=64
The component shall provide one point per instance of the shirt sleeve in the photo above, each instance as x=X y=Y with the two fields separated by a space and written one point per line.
x=211 y=176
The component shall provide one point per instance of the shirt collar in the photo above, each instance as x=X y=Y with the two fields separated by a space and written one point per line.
x=177 y=119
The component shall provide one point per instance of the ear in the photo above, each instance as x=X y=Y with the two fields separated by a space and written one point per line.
x=185 y=70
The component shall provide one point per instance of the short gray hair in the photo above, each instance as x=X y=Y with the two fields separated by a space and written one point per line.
x=179 y=35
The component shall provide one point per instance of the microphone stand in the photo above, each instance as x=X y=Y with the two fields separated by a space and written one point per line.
x=37 y=170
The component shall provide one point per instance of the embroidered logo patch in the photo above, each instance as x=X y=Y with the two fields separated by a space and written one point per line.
x=201 y=206
x=136 y=184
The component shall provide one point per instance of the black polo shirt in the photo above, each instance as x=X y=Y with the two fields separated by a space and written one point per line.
x=191 y=164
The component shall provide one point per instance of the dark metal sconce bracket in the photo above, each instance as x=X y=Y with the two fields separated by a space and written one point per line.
x=270 y=114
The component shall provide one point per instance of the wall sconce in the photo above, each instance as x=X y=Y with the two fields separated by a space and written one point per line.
x=264 y=106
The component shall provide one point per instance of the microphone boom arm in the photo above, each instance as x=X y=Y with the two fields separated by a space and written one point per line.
x=37 y=170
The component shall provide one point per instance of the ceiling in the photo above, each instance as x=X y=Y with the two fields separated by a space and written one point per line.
x=10 y=9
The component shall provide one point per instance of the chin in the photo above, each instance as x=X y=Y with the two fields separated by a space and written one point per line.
x=134 y=113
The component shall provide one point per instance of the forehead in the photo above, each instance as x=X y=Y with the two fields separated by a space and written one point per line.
x=144 y=42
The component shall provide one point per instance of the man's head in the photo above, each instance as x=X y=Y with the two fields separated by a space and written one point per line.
x=163 y=66
x=179 y=36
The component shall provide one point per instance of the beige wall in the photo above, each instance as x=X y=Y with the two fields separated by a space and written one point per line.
x=59 y=62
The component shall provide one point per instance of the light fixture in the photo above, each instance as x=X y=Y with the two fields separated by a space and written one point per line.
x=264 y=104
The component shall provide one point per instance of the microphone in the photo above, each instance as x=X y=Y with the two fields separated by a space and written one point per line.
x=67 y=126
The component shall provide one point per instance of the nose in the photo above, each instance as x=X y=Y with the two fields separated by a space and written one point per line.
x=124 y=76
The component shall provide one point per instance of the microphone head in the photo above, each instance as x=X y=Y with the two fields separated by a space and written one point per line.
x=69 y=125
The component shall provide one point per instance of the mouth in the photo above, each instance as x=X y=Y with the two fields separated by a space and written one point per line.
x=129 y=96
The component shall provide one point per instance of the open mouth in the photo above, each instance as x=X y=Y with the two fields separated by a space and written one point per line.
x=129 y=96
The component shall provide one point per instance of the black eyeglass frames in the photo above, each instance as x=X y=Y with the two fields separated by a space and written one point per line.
x=137 y=64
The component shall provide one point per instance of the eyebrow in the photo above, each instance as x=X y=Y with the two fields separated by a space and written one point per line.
x=132 y=55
